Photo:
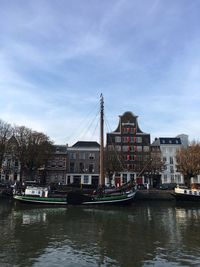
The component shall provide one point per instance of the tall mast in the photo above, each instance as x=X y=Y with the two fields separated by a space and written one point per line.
x=101 y=180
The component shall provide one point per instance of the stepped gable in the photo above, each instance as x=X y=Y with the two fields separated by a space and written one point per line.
x=128 y=118
x=82 y=144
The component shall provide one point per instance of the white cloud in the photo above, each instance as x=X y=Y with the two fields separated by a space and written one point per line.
x=56 y=59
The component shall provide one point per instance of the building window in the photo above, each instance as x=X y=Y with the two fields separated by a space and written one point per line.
x=91 y=156
x=132 y=157
x=165 y=178
x=61 y=164
x=124 y=178
x=171 y=160
x=126 y=139
x=72 y=155
x=118 y=148
x=125 y=148
x=146 y=148
x=195 y=179
x=91 y=168
x=139 y=139
x=110 y=147
x=86 y=179
x=16 y=164
x=81 y=167
x=117 y=139
x=139 y=148
x=172 y=169
x=126 y=130
x=177 y=178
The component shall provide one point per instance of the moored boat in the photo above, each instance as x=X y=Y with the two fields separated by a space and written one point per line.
x=40 y=195
x=186 y=194
x=119 y=196
x=77 y=198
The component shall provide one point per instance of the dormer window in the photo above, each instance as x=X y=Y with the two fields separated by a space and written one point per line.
x=91 y=156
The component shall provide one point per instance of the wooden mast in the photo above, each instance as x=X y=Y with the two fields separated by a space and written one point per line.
x=101 y=180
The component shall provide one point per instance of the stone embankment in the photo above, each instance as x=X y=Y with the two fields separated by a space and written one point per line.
x=154 y=194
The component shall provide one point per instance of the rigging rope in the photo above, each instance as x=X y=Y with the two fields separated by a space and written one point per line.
x=89 y=126
x=85 y=120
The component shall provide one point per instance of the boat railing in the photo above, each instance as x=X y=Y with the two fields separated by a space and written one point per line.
x=187 y=191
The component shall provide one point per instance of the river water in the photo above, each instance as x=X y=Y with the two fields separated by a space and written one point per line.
x=144 y=234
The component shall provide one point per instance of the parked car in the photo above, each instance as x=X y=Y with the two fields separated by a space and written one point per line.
x=167 y=186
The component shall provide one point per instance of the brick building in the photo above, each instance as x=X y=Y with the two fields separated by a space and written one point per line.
x=132 y=147
x=56 y=168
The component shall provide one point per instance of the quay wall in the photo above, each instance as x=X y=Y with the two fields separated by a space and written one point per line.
x=154 y=195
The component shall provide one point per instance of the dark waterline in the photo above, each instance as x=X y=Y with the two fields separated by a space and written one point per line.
x=144 y=234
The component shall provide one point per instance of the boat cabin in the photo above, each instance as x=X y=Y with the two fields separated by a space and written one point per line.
x=36 y=191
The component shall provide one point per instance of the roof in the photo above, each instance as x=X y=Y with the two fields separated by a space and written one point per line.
x=129 y=119
x=60 y=148
x=86 y=144
x=167 y=141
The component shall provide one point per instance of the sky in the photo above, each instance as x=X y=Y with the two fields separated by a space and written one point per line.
x=57 y=57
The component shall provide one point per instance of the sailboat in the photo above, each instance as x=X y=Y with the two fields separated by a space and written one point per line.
x=121 y=196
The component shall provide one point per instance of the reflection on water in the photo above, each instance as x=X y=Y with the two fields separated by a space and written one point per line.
x=145 y=234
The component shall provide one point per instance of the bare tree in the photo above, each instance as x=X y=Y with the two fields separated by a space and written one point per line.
x=154 y=165
x=39 y=150
x=188 y=161
x=34 y=149
x=113 y=163
x=5 y=134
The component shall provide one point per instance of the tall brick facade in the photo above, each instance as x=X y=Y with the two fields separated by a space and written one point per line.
x=130 y=143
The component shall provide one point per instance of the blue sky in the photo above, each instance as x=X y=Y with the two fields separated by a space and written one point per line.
x=56 y=57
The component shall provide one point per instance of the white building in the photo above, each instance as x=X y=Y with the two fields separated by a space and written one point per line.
x=168 y=148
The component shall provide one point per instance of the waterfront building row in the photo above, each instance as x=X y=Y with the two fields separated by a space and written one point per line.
x=128 y=153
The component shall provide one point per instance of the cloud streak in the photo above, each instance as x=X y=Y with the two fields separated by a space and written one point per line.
x=56 y=59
